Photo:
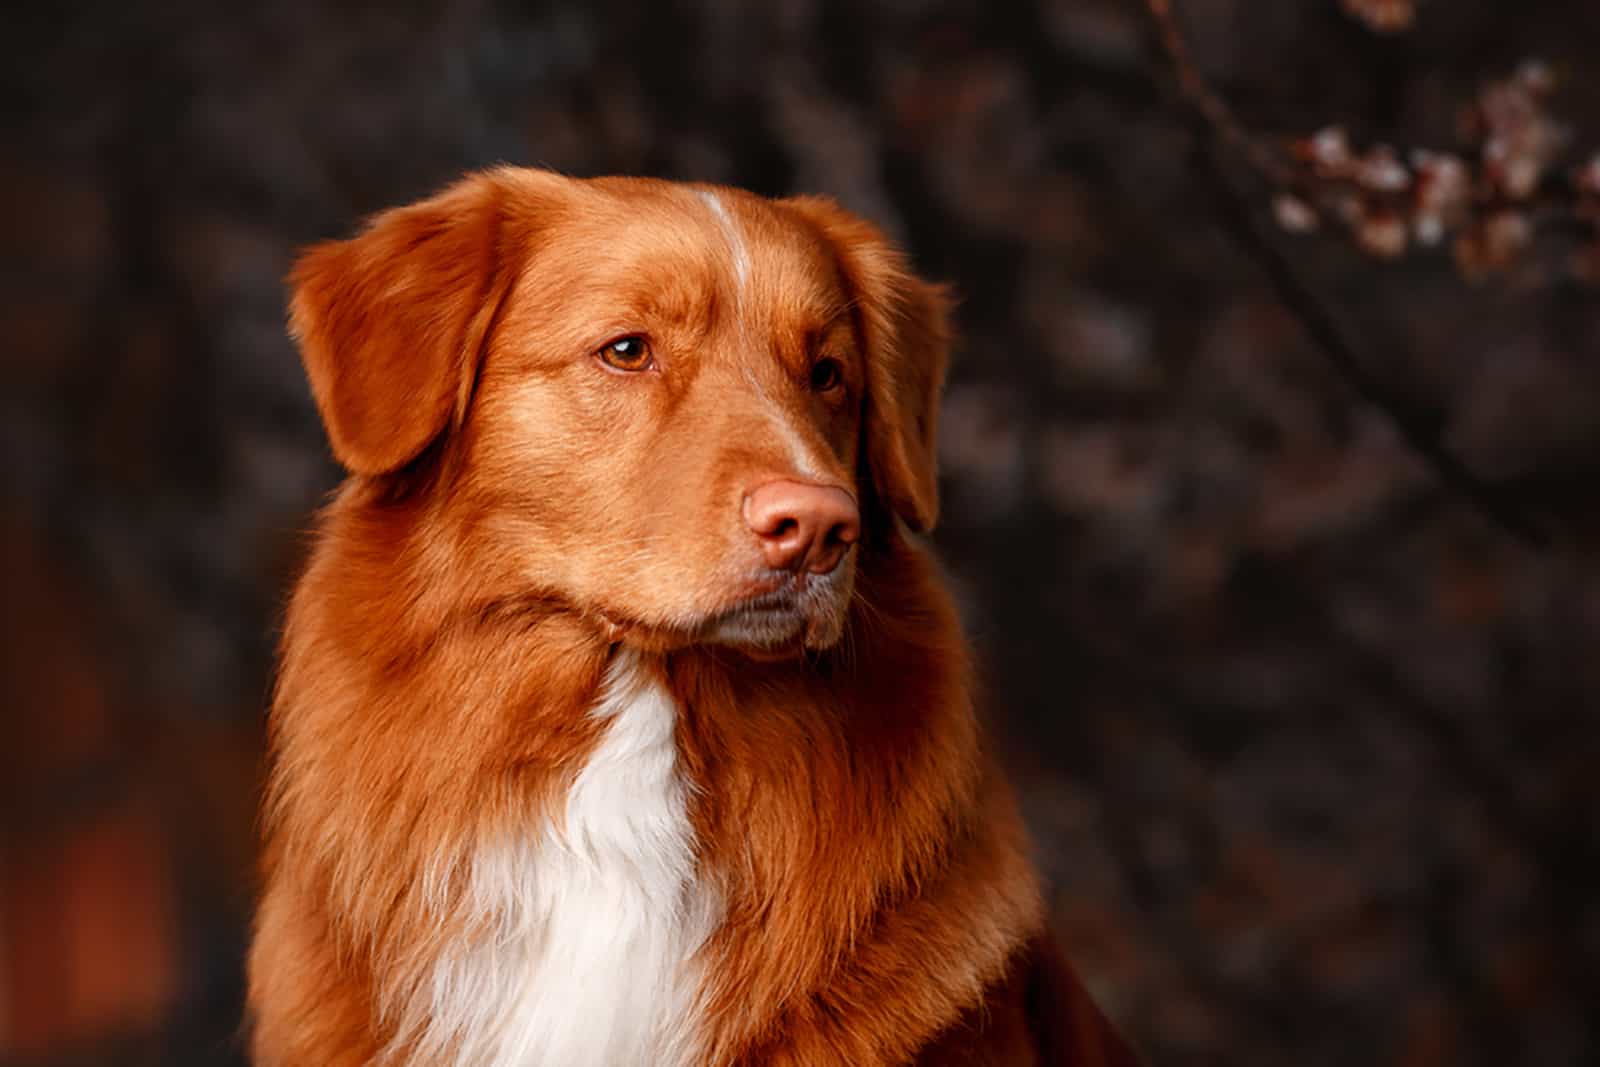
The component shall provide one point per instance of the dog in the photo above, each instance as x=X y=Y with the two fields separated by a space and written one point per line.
x=623 y=716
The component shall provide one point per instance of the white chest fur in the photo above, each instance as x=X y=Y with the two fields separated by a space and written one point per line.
x=594 y=920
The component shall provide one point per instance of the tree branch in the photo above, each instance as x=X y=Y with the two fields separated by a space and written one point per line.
x=1219 y=126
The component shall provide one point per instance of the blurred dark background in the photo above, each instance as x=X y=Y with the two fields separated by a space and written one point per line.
x=1307 y=738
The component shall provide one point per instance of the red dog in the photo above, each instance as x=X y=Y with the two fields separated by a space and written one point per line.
x=620 y=721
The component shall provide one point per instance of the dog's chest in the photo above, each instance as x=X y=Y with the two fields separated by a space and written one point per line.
x=596 y=920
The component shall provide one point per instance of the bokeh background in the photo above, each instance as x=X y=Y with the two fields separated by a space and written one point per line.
x=1308 y=741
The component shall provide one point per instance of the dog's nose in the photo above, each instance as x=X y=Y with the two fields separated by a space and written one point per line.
x=803 y=527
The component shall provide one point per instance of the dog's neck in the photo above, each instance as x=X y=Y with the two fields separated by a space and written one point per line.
x=816 y=799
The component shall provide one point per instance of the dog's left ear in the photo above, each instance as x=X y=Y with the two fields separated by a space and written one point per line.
x=390 y=322
x=906 y=323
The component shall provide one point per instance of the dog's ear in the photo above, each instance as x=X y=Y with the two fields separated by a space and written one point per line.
x=906 y=326
x=390 y=322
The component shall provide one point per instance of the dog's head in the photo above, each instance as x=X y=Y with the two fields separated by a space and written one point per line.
x=677 y=408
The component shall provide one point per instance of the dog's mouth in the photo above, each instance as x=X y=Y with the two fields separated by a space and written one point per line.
x=777 y=616
x=767 y=621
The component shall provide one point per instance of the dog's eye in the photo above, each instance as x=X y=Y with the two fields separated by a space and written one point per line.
x=627 y=353
x=826 y=374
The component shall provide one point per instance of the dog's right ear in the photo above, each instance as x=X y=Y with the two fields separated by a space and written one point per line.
x=390 y=322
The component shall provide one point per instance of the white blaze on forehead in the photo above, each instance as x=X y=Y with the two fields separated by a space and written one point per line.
x=802 y=457
x=730 y=230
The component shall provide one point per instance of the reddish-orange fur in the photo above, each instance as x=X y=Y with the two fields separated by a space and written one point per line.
x=515 y=512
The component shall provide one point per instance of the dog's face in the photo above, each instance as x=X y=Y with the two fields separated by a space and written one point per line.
x=672 y=407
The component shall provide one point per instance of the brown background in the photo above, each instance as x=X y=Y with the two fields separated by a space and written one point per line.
x=1309 y=746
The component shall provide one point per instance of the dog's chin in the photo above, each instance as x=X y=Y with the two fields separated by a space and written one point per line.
x=761 y=633
x=774 y=618
x=764 y=632
x=775 y=628
x=786 y=620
